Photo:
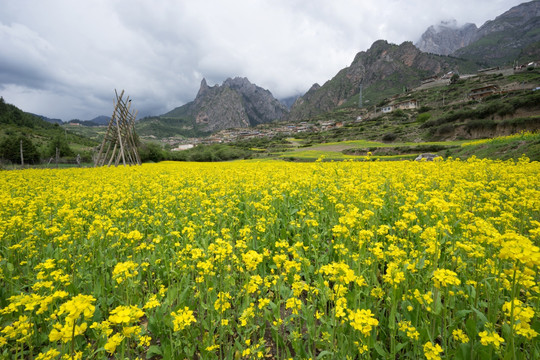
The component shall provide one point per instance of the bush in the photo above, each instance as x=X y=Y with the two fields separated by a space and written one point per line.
x=480 y=124
x=506 y=109
x=151 y=152
x=389 y=137
x=210 y=153
x=60 y=143
x=398 y=113
x=445 y=129
x=10 y=149
x=422 y=118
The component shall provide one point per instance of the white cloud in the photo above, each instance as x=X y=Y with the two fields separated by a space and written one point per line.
x=65 y=58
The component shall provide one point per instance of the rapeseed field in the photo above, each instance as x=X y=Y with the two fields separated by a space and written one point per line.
x=272 y=260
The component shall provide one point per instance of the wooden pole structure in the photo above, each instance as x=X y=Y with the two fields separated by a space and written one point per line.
x=120 y=136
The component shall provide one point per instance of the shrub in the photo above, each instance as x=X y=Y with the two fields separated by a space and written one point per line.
x=60 y=143
x=151 y=152
x=480 y=124
x=210 y=153
x=398 y=113
x=389 y=137
x=445 y=129
x=10 y=149
x=422 y=118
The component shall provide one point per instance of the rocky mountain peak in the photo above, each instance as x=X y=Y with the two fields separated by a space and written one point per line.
x=505 y=39
x=238 y=83
x=516 y=17
x=495 y=42
x=203 y=88
x=446 y=37
x=236 y=103
x=379 y=67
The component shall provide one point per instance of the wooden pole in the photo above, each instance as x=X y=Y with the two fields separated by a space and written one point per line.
x=22 y=156
x=120 y=136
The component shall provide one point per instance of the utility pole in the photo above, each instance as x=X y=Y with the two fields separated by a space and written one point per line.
x=22 y=157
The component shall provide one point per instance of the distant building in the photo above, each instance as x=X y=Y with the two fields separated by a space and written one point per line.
x=495 y=68
x=408 y=104
x=183 y=147
x=429 y=80
x=481 y=92
x=448 y=75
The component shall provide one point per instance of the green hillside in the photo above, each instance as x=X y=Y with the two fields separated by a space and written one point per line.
x=444 y=120
x=39 y=137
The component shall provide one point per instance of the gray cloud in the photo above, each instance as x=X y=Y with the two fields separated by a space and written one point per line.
x=64 y=59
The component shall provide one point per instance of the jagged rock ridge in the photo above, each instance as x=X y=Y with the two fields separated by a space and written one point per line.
x=447 y=37
x=387 y=68
x=510 y=37
x=498 y=42
x=236 y=103
x=384 y=67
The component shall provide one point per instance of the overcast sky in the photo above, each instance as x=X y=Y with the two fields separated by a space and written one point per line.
x=64 y=58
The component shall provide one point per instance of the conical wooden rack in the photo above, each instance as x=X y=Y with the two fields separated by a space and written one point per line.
x=119 y=143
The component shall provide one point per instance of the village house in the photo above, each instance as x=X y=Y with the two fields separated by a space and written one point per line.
x=481 y=92
x=327 y=125
x=429 y=80
x=403 y=105
x=407 y=104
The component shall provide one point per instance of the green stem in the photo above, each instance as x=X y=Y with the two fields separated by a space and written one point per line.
x=172 y=342
x=73 y=341
x=512 y=345
x=443 y=320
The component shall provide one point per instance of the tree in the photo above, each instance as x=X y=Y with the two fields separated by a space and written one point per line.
x=3 y=106
x=10 y=149
x=454 y=79
x=151 y=152
x=61 y=143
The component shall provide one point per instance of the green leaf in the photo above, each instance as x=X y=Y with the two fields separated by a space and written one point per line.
x=325 y=353
x=470 y=324
x=400 y=346
x=380 y=350
x=189 y=350
x=506 y=330
x=153 y=350
x=462 y=313
x=392 y=319
x=437 y=308
x=465 y=351
x=483 y=319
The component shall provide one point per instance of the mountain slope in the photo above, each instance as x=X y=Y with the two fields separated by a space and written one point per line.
x=15 y=123
x=383 y=70
x=446 y=37
x=514 y=35
x=237 y=103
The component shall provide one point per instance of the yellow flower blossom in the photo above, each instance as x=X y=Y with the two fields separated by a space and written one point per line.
x=363 y=320
x=431 y=351
x=183 y=318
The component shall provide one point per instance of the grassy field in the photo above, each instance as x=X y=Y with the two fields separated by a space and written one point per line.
x=272 y=259
x=504 y=148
